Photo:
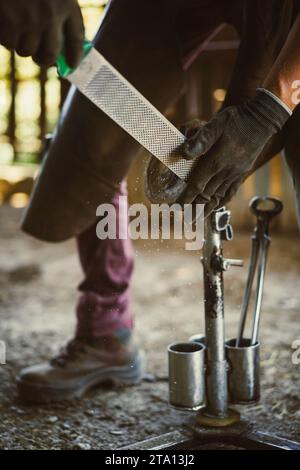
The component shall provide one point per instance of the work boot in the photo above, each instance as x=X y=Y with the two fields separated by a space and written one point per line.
x=80 y=366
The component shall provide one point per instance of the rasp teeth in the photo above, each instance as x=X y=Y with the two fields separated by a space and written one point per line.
x=100 y=82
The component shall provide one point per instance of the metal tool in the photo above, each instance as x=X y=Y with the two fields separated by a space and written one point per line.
x=244 y=371
x=217 y=228
x=265 y=209
x=102 y=84
x=216 y=424
x=187 y=375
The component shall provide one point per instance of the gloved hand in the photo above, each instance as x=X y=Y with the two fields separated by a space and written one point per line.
x=42 y=28
x=229 y=144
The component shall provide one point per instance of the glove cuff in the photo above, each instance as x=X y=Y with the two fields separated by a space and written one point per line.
x=275 y=98
x=271 y=108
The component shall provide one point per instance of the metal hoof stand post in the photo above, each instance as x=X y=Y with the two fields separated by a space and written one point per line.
x=207 y=373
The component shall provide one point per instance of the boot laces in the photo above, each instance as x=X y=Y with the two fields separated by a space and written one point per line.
x=70 y=352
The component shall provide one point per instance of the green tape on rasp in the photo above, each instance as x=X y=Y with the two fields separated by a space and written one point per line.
x=62 y=67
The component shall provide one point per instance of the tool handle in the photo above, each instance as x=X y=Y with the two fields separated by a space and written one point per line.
x=62 y=67
x=248 y=290
x=262 y=264
x=265 y=207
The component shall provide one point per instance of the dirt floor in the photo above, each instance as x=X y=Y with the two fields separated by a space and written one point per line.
x=37 y=296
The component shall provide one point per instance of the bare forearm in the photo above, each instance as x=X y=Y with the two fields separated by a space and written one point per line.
x=284 y=77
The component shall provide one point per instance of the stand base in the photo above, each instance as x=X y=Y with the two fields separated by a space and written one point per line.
x=191 y=436
x=207 y=420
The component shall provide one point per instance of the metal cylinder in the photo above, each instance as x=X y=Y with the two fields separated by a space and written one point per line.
x=186 y=375
x=216 y=375
x=244 y=374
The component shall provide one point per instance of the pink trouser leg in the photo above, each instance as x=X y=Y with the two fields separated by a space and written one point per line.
x=104 y=305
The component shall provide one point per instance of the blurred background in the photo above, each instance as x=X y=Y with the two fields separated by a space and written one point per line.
x=31 y=98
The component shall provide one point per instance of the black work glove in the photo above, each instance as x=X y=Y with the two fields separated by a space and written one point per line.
x=229 y=144
x=42 y=28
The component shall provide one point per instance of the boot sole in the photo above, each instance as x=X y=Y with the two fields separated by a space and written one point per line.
x=117 y=376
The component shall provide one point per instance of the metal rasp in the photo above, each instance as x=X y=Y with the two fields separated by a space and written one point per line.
x=102 y=84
